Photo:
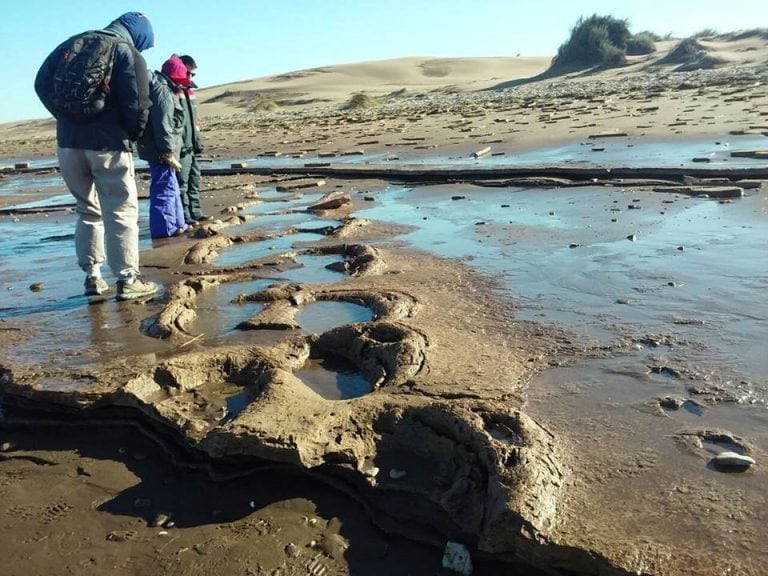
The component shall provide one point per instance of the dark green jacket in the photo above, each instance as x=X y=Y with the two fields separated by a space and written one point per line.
x=166 y=120
x=191 y=138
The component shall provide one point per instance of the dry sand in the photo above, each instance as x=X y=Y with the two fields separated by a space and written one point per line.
x=478 y=358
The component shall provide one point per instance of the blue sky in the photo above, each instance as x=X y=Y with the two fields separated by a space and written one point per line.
x=242 y=39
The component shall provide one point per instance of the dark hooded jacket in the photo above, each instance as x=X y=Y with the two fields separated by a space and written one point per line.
x=163 y=135
x=127 y=106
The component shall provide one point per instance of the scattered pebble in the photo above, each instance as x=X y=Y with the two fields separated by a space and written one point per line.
x=36 y=287
x=292 y=551
x=7 y=447
x=396 y=474
x=456 y=557
x=671 y=402
x=160 y=520
x=733 y=461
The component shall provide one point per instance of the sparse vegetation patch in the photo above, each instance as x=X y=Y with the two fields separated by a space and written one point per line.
x=601 y=41
x=360 y=100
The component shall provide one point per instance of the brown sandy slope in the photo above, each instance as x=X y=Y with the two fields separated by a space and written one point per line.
x=334 y=85
x=422 y=96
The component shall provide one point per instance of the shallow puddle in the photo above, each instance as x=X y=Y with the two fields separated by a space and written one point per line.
x=240 y=253
x=313 y=270
x=271 y=222
x=628 y=152
x=32 y=184
x=39 y=250
x=216 y=314
x=320 y=317
x=582 y=257
x=334 y=379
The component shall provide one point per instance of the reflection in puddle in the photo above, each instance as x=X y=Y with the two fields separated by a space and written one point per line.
x=334 y=379
x=695 y=267
x=216 y=314
x=40 y=249
x=319 y=317
x=243 y=252
x=271 y=223
x=235 y=404
x=313 y=270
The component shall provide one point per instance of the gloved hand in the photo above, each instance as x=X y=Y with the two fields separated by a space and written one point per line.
x=171 y=160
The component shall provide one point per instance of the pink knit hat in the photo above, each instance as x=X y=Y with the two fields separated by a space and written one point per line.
x=175 y=69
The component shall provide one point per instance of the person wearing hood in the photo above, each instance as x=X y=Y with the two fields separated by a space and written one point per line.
x=161 y=147
x=95 y=153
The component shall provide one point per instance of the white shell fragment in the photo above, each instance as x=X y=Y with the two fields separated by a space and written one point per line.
x=396 y=474
x=733 y=460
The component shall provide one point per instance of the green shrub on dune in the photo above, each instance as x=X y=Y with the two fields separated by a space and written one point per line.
x=360 y=100
x=263 y=105
x=642 y=43
x=594 y=41
x=601 y=41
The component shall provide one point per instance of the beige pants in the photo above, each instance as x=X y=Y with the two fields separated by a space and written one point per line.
x=107 y=206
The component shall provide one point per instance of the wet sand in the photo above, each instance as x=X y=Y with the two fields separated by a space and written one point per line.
x=624 y=471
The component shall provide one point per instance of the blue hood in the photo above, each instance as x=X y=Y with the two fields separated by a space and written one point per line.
x=139 y=28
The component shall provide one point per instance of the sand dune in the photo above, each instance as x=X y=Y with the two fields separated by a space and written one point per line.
x=335 y=84
x=323 y=90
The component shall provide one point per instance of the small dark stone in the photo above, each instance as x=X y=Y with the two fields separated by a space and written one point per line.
x=681 y=248
x=671 y=403
x=36 y=287
x=574 y=245
x=458 y=197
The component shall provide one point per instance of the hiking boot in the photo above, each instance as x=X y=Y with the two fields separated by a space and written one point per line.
x=95 y=286
x=134 y=288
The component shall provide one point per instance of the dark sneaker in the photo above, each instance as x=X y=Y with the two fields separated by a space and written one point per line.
x=137 y=288
x=95 y=286
x=204 y=218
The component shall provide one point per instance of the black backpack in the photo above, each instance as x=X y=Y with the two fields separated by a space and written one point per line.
x=81 y=78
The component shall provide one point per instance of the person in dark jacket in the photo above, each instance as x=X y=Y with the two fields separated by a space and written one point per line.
x=96 y=160
x=192 y=146
x=161 y=146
